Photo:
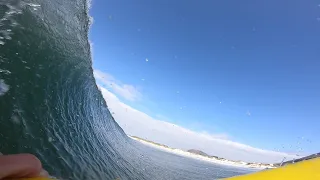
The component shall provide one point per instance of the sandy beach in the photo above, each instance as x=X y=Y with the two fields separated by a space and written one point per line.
x=239 y=164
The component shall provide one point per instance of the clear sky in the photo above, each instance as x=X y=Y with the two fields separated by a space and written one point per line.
x=248 y=69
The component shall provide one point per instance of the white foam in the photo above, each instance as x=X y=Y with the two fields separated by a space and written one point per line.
x=13 y=9
x=5 y=71
x=15 y=119
x=3 y=87
x=33 y=5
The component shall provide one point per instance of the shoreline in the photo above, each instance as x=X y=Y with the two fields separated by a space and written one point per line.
x=221 y=161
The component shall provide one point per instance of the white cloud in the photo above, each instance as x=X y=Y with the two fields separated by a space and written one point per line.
x=126 y=91
x=215 y=136
x=137 y=123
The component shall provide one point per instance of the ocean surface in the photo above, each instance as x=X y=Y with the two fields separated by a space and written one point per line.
x=50 y=104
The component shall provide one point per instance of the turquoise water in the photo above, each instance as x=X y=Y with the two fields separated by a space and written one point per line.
x=50 y=104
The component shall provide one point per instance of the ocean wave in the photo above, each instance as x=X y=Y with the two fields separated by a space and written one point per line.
x=50 y=104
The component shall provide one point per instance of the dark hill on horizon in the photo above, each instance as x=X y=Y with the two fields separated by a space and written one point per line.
x=194 y=151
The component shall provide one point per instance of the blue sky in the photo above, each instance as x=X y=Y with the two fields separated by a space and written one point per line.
x=249 y=69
